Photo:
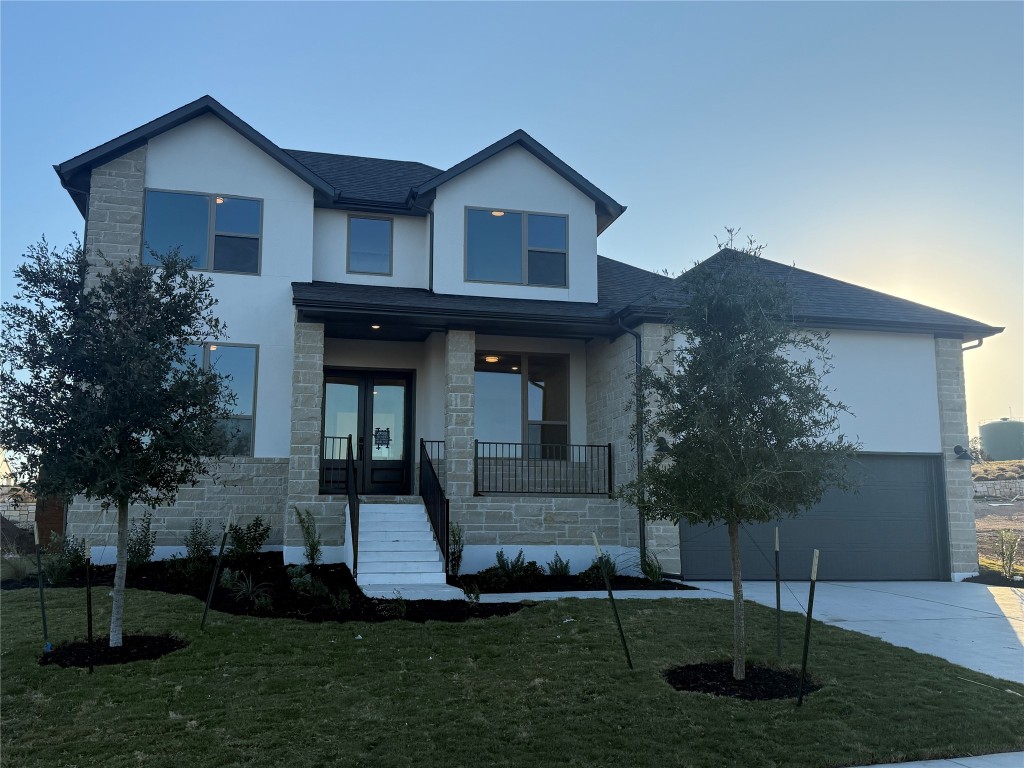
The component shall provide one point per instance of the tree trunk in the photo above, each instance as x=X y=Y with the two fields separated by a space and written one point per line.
x=739 y=653
x=120 y=572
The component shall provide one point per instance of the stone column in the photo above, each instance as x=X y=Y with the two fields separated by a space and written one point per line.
x=460 y=352
x=113 y=230
x=963 y=537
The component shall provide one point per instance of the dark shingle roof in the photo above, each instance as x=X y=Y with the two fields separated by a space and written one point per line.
x=366 y=178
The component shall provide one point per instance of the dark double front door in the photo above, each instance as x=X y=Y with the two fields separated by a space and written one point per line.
x=375 y=408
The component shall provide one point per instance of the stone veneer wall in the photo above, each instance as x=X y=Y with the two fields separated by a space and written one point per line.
x=241 y=487
x=113 y=230
x=963 y=537
x=459 y=427
x=304 y=461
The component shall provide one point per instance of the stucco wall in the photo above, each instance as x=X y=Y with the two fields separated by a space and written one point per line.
x=204 y=155
x=410 y=250
x=514 y=180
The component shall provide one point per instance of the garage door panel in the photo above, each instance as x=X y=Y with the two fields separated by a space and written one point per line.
x=889 y=528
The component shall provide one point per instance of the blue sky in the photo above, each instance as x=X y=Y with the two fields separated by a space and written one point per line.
x=879 y=143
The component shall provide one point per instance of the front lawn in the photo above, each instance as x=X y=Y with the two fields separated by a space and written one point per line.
x=545 y=687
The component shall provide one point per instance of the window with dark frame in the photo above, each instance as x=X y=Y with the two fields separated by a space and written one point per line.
x=516 y=247
x=238 y=362
x=522 y=398
x=369 y=245
x=219 y=233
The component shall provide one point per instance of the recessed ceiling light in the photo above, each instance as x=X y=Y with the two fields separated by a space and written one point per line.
x=515 y=367
x=375 y=327
x=497 y=213
x=213 y=347
x=220 y=200
x=491 y=359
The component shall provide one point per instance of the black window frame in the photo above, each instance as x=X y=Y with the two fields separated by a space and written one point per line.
x=525 y=248
x=391 y=245
x=211 y=346
x=525 y=422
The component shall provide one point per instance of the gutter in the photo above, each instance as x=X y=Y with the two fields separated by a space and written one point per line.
x=639 y=445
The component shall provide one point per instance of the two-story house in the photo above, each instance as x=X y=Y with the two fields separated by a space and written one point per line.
x=410 y=345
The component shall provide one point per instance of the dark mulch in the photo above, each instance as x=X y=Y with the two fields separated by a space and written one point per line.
x=715 y=677
x=577 y=583
x=994 y=579
x=76 y=653
x=266 y=570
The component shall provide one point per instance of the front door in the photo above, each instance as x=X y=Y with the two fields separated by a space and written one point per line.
x=375 y=408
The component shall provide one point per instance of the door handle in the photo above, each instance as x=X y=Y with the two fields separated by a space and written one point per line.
x=359 y=449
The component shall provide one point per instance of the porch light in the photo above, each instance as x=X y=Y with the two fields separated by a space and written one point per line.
x=497 y=213
x=515 y=367
x=491 y=359
x=213 y=347
x=220 y=200
x=375 y=327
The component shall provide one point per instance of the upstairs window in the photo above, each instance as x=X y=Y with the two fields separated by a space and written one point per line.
x=214 y=232
x=369 y=245
x=516 y=247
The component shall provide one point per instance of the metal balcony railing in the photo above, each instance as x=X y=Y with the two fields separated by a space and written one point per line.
x=542 y=468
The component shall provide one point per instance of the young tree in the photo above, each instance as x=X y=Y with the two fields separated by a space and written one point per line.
x=99 y=393
x=744 y=426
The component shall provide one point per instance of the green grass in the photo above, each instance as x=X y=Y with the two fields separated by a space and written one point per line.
x=529 y=690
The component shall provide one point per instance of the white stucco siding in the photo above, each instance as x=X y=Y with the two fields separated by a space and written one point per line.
x=410 y=260
x=205 y=155
x=888 y=382
x=426 y=359
x=575 y=349
x=514 y=180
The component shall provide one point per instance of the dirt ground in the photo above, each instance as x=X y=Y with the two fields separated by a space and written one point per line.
x=990 y=520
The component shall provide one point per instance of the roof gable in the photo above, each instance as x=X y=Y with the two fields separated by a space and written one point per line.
x=74 y=173
x=607 y=208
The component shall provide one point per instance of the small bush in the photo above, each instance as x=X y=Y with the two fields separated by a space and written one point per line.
x=247 y=541
x=514 y=574
x=456 y=545
x=559 y=567
x=305 y=583
x=16 y=566
x=593 y=575
x=651 y=567
x=311 y=541
x=244 y=590
x=341 y=601
x=141 y=540
x=1006 y=550
x=64 y=555
x=199 y=541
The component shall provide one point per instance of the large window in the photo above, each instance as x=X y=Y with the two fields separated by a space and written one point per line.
x=516 y=247
x=522 y=398
x=214 y=232
x=369 y=245
x=237 y=362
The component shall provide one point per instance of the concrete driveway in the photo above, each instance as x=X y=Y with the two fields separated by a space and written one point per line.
x=978 y=627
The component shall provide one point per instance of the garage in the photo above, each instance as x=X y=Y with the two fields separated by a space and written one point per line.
x=892 y=527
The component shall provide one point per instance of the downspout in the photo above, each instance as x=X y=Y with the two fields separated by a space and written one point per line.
x=639 y=447
x=430 y=278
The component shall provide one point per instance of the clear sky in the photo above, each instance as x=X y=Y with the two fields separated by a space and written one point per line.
x=879 y=143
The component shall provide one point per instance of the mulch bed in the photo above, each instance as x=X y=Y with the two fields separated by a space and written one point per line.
x=994 y=579
x=761 y=683
x=564 y=584
x=134 y=648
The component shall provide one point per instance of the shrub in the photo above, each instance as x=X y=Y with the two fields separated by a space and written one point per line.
x=64 y=555
x=1006 y=550
x=247 y=541
x=516 y=573
x=305 y=583
x=456 y=544
x=558 y=567
x=16 y=566
x=141 y=539
x=341 y=601
x=651 y=567
x=245 y=591
x=311 y=541
x=199 y=541
x=593 y=575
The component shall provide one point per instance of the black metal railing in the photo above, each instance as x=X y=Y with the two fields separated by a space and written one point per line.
x=435 y=501
x=435 y=450
x=353 y=502
x=553 y=469
x=333 y=473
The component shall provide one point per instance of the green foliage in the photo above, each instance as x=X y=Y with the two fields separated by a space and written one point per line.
x=64 y=556
x=141 y=540
x=602 y=565
x=305 y=583
x=393 y=609
x=456 y=545
x=651 y=567
x=558 y=567
x=1006 y=550
x=243 y=589
x=514 y=574
x=340 y=601
x=243 y=542
x=199 y=541
x=311 y=541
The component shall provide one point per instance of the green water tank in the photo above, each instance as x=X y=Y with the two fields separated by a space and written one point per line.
x=1003 y=439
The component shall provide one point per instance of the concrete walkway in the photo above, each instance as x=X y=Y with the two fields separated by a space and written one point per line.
x=1004 y=760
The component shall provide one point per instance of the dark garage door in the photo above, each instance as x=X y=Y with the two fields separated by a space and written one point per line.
x=891 y=528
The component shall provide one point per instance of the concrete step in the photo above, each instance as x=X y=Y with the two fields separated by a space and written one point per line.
x=401 y=555
x=377 y=501
x=369 y=579
x=419 y=544
x=391 y=535
x=399 y=528
x=394 y=566
x=414 y=591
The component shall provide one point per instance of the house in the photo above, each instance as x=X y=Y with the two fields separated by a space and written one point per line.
x=410 y=345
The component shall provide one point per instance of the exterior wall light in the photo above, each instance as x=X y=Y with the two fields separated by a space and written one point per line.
x=962 y=453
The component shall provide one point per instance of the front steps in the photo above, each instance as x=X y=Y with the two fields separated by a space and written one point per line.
x=396 y=544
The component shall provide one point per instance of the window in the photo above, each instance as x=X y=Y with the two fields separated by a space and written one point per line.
x=516 y=247
x=522 y=398
x=237 y=362
x=214 y=232
x=369 y=245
